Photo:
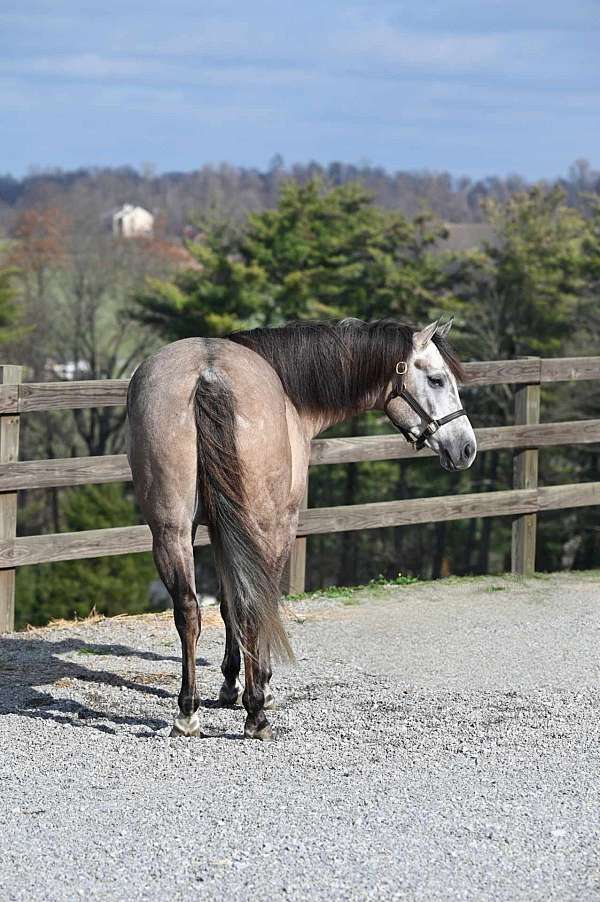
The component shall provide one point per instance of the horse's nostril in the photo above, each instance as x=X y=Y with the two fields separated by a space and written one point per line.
x=467 y=451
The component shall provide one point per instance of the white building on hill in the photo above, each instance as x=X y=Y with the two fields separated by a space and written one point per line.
x=130 y=222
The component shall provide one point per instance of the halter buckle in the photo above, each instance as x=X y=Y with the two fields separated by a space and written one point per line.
x=402 y=368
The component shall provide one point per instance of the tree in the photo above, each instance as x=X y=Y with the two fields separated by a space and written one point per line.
x=11 y=325
x=73 y=282
x=92 y=335
x=518 y=296
x=36 y=253
x=521 y=291
x=321 y=253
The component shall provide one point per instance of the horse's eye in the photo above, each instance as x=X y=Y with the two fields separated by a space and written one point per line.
x=436 y=381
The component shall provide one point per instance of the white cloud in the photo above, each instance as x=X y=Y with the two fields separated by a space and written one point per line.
x=384 y=44
x=83 y=65
x=95 y=67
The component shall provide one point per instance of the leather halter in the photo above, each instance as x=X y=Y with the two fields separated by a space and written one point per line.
x=432 y=425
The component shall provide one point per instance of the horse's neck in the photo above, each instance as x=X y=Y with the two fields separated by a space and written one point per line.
x=315 y=422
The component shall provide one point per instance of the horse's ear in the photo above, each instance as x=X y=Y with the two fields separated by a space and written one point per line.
x=443 y=331
x=421 y=339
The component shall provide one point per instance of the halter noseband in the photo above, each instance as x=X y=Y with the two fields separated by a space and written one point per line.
x=432 y=425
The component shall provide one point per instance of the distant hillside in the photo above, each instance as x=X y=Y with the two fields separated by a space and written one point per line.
x=180 y=196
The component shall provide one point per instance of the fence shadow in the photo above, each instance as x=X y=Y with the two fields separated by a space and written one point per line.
x=30 y=669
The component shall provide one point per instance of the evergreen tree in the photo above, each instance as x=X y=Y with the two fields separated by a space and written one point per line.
x=322 y=253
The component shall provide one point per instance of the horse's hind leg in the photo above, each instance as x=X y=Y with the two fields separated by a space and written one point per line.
x=266 y=674
x=257 y=726
x=174 y=556
x=266 y=671
x=258 y=696
x=231 y=690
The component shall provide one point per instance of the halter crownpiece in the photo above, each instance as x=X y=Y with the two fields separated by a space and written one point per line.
x=431 y=424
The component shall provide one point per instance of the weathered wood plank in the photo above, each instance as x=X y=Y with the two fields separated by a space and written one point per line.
x=67 y=395
x=113 y=392
x=9 y=452
x=9 y=398
x=568 y=369
x=70 y=546
x=502 y=372
x=34 y=396
x=532 y=370
x=72 y=395
x=525 y=476
x=395 y=447
x=454 y=507
x=124 y=540
x=43 y=474
x=562 y=497
x=419 y=510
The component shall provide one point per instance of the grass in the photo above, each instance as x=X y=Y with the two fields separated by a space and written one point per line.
x=345 y=593
x=400 y=580
x=93 y=651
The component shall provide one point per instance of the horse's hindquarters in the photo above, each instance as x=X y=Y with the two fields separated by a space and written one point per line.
x=209 y=441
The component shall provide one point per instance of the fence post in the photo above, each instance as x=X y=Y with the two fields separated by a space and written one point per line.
x=9 y=452
x=295 y=574
x=525 y=476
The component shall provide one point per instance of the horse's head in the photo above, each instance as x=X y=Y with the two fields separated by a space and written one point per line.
x=424 y=404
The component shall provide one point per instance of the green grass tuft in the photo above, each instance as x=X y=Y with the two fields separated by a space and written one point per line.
x=93 y=651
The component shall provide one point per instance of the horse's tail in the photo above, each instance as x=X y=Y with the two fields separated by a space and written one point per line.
x=251 y=591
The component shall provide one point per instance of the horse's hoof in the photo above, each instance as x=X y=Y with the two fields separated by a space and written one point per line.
x=264 y=733
x=230 y=696
x=185 y=725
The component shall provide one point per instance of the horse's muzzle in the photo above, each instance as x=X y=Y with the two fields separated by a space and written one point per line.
x=458 y=459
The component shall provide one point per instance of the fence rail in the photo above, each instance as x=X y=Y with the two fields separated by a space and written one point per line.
x=69 y=546
x=71 y=471
x=34 y=396
x=522 y=503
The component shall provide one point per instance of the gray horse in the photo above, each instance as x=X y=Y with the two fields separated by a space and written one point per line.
x=220 y=433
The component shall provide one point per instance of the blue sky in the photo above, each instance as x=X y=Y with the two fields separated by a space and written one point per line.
x=478 y=87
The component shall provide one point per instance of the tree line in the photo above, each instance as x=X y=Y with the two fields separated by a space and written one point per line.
x=77 y=303
x=236 y=191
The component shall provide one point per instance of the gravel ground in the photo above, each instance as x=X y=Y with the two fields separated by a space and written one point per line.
x=435 y=742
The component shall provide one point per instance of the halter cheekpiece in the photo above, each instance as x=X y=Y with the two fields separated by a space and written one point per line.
x=431 y=424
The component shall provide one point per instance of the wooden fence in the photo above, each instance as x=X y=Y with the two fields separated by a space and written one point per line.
x=522 y=502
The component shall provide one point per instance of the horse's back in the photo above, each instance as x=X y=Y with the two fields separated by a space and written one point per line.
x=161 y=391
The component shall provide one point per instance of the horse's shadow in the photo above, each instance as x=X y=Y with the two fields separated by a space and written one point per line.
x=27 y=664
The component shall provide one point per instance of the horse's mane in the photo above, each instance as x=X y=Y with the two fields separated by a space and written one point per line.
x=327 y=367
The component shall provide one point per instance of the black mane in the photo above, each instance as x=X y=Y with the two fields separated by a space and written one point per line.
x=327 y=367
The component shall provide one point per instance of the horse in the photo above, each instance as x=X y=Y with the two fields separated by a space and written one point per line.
x=219 y=434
